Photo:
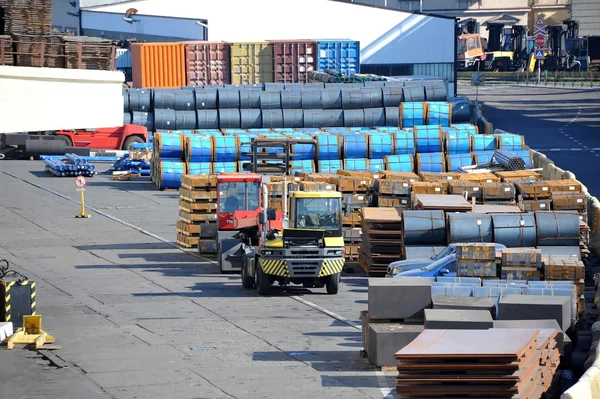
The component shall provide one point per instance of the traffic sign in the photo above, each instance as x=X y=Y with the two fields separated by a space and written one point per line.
x=539 y=54
x=540 y=21
x=540 y=41
x=80 y=182
x=540 y=31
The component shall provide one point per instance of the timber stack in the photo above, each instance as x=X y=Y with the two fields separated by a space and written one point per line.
x=6 y=50
x=29 y=17
x=96 y=53
x=197 y=225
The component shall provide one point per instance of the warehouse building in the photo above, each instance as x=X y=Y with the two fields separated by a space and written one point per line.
x=392 y=42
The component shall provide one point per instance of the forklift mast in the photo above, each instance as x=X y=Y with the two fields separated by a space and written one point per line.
x=556 y=42
x=495 y=35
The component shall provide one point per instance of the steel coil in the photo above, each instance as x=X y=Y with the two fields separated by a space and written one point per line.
x=374 y=117
x=557 y=229
x=164 y=119
x=330 y=166
x=439 y=113
x=140 y=100
x=414 y=93
x=515 y=230
x=225 y=148
x=198 y=149
x=228 y=98
x=293 y=118
x=510 y=142
x=458 y=142
x=372 y=97
x=429 y=138
x=461 y=109
x=270 y=100
x=355 y=145
x=400 y=163
x=482 y=157
x=206 y=98
x=251 y=118
x=169 y=145
x=245 y=142
x=225 y=167
x=311 y=100
x=356 y=164
x=230 y=118
x=375 y=165
x=291 y=99
x=431 y=162
x=466 y=127
x=483 y=142
x=185 y=100
x=455 y=161
x=185 y=120
x=380 y=145
x=163 y=99
x=331 y=99
x=250 y=99
x=352 y=100
x=423 y=228
x=392 y=116
x=274 y=86
x=404 y=142
x=470 y=227
x=272 y=118
x=169 y=174
x=207 y=119
x=436 y=91
x=329 y=147
x=412 y=114
x=125 y=94
x=392 y=96
x=323 y=118
x=199 y=168
x=306 y=166
x=127 y=118
x=354 y=117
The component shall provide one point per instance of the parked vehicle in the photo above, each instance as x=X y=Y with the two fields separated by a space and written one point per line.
x=400 y=266
x=443 y=264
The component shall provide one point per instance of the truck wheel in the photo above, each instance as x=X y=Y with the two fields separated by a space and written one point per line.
x=130 y=141
x=333 y=284
x=263 y=282
x=247 y=281
x=68 y=142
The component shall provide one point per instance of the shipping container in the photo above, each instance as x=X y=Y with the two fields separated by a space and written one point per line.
x=292 y=60
x=340 y=55
x=158 y=65
x=207 y=63
x=251 y=63
x=123 y=58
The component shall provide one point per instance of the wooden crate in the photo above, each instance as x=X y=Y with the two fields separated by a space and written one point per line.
x=351 y=184
x=533 y=190
x=563 y=269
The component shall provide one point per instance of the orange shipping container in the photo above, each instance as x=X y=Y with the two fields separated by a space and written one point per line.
x=158 y=65
x=207 y=63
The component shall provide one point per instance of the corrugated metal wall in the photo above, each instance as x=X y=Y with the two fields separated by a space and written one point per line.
x=587 y=13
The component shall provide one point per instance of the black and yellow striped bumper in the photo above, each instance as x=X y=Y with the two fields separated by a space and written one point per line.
x=275 y=267
x=300 y=268
x=17 y=300
x=331 y=266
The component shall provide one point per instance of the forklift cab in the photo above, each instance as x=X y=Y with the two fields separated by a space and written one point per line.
x=238 y=197
x=317 y=211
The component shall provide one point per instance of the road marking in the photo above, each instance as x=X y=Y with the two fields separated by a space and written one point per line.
x=321 y=309
x=554 y=149
x=595 y=149
x=388 y=393
x=576 y=149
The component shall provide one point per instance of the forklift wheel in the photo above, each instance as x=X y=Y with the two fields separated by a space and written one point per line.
x=263 y=282
x=247 y=281
x=333 y=284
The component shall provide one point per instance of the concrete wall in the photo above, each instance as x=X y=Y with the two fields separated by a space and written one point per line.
x=39 y=99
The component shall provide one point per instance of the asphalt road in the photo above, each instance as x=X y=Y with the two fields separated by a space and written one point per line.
x=563 y=123
x=139 y=318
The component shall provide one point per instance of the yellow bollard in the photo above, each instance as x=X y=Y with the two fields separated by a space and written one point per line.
x=80 y=183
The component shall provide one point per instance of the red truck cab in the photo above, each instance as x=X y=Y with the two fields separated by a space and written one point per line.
x=114 y=138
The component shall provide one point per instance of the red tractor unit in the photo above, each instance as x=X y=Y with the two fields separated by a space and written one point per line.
x=238 y=217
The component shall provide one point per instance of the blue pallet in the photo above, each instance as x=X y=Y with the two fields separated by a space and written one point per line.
x=340 y=55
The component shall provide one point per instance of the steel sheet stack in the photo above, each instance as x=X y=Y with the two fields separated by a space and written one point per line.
x=508 y=363
x=197 y=226
x=476 y=260
x=521 y=264
x=381 y=239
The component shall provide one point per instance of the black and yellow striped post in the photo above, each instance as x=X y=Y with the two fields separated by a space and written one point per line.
x=17 y=299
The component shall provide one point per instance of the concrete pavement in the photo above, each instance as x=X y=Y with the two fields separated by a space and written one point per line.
x=139 y=318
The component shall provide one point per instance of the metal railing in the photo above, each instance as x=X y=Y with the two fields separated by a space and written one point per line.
x=559 y=79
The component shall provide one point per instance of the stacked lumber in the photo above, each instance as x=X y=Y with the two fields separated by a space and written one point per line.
x=197 y=225
x=6 y=50
x=476 y=260
x=29 y=17
x=39 y=51
x=508 y=363
x=381 y=239
x=560 y=268
x=521 y=264
x=82 y=52
x=393 y=189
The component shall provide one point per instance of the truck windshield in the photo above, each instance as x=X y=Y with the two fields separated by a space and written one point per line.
x=445 y=261
x=447 y=251
x=239 y=196
x=318 y=213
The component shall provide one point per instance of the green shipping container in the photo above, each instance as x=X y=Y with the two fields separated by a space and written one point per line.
x=251 y=63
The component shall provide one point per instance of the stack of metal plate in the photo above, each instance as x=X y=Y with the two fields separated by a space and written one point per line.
x=381 y=239
x=501 y=363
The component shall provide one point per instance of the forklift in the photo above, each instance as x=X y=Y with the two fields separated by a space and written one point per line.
x=305 y=247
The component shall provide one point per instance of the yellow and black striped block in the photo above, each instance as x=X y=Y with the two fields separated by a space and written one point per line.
x=331 y=266
x=275 y=267
x=17 y=299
